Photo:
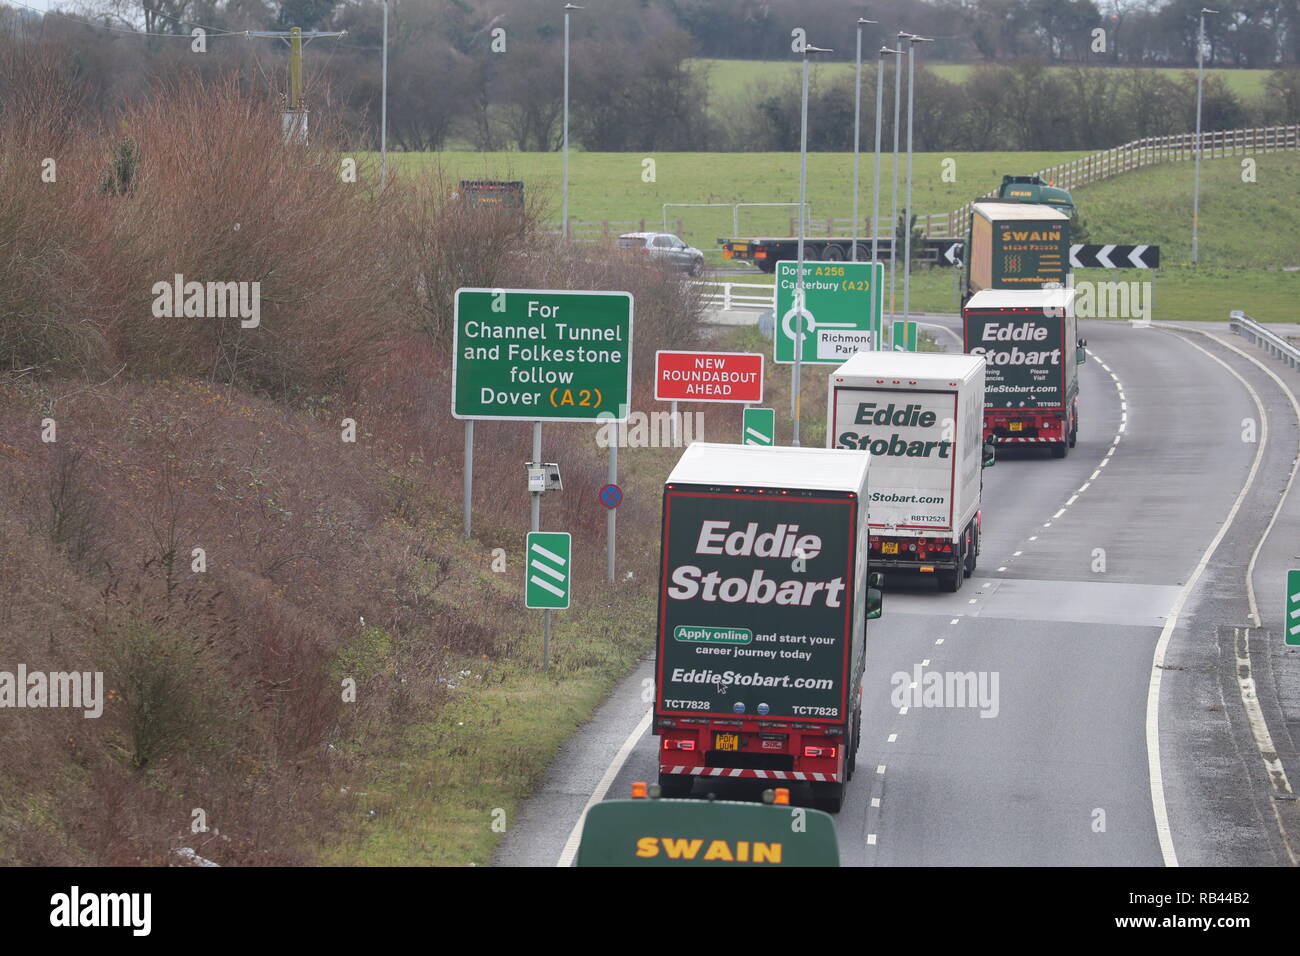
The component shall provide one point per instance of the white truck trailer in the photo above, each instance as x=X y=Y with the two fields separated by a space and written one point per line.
x=921 y=417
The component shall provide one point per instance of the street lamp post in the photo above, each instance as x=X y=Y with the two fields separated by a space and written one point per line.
x=1200 y=82
x=857 y=126
x=803 y=225
x=875 y=192
x=383 y=110
x=912 y=41
x=893 y=212
x=564 y=202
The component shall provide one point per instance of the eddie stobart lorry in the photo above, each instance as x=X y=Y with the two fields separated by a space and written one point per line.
x=764 y=598
x=919 y=414
x=1029 y=340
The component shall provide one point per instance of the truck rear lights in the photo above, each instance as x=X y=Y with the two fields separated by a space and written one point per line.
x=672 y=744
x=822 y=752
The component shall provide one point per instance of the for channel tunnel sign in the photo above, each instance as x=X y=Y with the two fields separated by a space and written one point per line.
x=542 y=355
x=708 y=377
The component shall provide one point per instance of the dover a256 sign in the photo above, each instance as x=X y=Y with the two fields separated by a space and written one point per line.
x=533 y=354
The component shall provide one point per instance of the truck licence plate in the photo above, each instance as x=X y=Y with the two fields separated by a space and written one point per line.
x=1017 y=426
x=889 y=547
x=726 y=741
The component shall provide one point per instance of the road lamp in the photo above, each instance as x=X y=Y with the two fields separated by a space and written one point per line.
x=1200 y=82
x=383 y=110
x=912 y=41
x=875 y=192
x=857 y=126
x=803 y=225
x=564 y=203
x=893 y=212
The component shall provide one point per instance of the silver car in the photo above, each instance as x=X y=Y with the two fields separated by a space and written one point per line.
x=665 y=248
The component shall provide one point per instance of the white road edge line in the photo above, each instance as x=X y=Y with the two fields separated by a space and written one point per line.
x=575 y=835
x=1295 y=466
x=1158 y=806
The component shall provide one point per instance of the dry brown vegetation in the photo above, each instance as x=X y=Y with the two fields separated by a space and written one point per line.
x=325 y=559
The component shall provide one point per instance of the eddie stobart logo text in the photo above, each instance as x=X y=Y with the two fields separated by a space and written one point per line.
x=716 y=538
x=1015 y=355
x=909 y=416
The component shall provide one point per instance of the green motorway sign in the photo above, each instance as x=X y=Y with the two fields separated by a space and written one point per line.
x=843 y=302
x=547 y=568
x=533 y=354
x=1293 y=607
x=758 y=426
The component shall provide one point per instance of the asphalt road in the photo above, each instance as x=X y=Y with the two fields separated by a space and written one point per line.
x=1083 y=562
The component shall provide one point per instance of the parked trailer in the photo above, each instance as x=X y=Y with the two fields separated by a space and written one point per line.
x=1029 y=340
x=766 y=251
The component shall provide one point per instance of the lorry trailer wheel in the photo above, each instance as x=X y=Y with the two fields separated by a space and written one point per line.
x=675 y=784
x=1060 y=449
x=828 y=796
x=950 y=581
x=833 y=253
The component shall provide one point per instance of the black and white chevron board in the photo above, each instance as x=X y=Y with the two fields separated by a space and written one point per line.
x=1081 y=256
x=1115 y=257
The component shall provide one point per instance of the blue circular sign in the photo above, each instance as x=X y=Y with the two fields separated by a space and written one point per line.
x=611 y=496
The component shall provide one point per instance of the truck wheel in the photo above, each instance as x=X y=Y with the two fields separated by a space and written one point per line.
x=1074 y=431
x=675 y=784
x=855 y=737
x=766 y=265
x=1060 y=449
x=972 y=553
x=864 y=252
x=828 y=796
x=833 y=253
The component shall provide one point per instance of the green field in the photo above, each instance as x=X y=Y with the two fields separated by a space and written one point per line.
x=609 y=186
x=729 y=80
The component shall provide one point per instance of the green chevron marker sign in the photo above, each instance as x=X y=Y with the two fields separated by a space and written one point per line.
x=547 y=570
x=758 y=426
x=1292 y=624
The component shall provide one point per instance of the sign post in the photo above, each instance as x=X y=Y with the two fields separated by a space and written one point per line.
x=843 y=302
x=1292 y=623
x=539 y=355
x=548 y=579
x=758 y=426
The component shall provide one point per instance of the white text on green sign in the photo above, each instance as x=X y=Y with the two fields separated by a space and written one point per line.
x=531 y=354
x=841 y=315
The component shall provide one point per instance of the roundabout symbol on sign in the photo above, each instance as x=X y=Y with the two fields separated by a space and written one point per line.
x=611 y=496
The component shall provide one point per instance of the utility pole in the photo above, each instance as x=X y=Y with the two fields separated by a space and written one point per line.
x=293 y=122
